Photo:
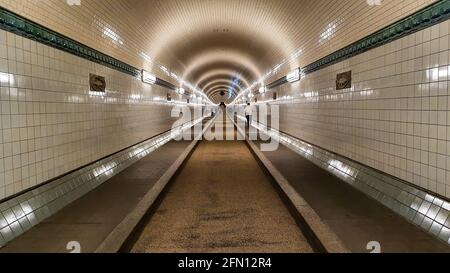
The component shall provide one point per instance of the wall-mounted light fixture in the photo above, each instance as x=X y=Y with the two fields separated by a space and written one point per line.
x=181 y=90
x=293 y=76
x=262 y=89
x=148 y=78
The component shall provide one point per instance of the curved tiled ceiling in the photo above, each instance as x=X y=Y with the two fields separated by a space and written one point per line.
x=220 y=46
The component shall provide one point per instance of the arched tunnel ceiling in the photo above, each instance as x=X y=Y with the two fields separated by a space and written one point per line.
x=217 y=43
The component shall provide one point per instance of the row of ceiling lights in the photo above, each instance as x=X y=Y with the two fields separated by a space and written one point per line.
x=149 y=78
x=291 y=77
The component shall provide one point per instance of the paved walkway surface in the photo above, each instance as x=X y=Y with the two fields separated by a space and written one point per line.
x=356 y=218
x=222 y=202
x=90 y=219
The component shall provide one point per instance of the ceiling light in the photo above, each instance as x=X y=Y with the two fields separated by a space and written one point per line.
x=293 y=76
x=148 y=78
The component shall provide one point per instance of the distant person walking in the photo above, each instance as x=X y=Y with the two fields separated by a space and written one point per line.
x=248 y=113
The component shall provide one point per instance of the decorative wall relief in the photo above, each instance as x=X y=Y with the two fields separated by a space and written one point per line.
x=97 y=83
x=344 y=80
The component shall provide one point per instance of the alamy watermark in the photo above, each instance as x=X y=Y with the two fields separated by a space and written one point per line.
x=374 y=247
x=248 y=127
x=74 y=247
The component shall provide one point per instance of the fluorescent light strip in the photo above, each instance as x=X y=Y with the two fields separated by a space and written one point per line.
x=148 y=78
x=293 y=76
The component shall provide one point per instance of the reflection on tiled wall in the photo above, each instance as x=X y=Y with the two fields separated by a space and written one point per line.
x=52 y=124
x=394 y=118
x=419 y=207
x=22 y=212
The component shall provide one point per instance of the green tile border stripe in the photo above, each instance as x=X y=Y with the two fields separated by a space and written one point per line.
x=424 y=18
x=19 y=25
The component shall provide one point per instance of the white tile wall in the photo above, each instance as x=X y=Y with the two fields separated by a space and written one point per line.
x=51 y=124
x=395 y=117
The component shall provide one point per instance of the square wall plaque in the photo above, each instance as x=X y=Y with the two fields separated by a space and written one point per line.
x=344 y=80
x=97 y=83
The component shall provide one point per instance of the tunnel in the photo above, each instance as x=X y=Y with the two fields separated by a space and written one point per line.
x=224 y=126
